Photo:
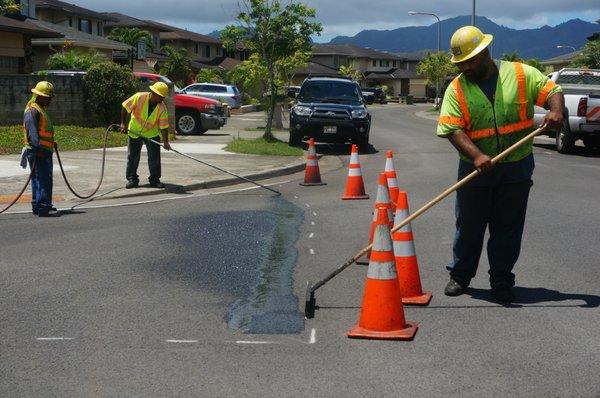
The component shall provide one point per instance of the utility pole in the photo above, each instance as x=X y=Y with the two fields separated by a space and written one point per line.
x=473 y=15
x=439 y=35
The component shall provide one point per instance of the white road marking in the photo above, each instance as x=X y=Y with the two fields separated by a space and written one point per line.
x=313 y=336
x=312 y=223
x=307 y=205
x=312 y=251
x=181 y=341
x=254 y=342
x=53 y=338
x=314 y=214
x=311 y=235
x=295 y=197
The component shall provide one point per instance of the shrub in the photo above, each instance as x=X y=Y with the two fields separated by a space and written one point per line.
x=210 y=76
x=75 y=60
x=107 y=86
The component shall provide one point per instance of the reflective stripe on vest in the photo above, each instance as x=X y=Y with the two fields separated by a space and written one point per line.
x=541 y=99
x=510 y=128
x=45 y=128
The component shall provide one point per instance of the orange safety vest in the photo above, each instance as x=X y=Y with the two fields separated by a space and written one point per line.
x=145 y=125
x=45 y=128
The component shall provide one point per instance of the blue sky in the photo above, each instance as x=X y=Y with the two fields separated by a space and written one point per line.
x=348 y=17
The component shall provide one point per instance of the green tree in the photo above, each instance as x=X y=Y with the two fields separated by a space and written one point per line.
x=177 y=68
x=436 y=67
x=9 y=6
x=210 y=76
x=352 y=73
x=512 y=57
x=132 y=36
x=273 y=32
x=535 y=63
x=75 y=60
x=589 y=57
x=107 y=85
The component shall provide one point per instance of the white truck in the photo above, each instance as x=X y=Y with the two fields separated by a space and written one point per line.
x=581 y=88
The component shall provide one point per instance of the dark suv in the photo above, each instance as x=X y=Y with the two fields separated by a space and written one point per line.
x=330 y=110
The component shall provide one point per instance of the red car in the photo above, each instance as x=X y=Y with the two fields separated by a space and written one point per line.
x=193 y=115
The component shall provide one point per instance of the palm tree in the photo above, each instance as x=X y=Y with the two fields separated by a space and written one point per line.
x=177 y=68
x=512 y=57
x=132 y=36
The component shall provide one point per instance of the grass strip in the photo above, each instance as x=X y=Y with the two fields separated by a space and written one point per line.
x=69 y=138
x=260 y=146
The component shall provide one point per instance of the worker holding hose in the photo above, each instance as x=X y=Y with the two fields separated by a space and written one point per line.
x=486 y=109
x=145 y=117
x=38 y=138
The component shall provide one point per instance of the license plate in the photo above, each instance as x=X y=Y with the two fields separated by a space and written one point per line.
x=330 y=129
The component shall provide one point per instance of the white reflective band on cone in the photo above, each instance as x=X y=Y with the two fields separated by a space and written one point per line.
x=382 y=271
x=401 y=215
x=352 y=172
x=389 y=166
x=382 y=195
x=311 y=162
x=392 y=182
x=382 y=240
x=390 y=214
x=354 y=158
x=404 y=248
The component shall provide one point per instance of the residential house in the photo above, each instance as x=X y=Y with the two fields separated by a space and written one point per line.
x=82 y=29
x=146 y=57
x=379 y=68
x=562 y=61
x=16 y=53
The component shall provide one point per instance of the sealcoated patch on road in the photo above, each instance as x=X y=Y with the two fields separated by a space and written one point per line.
x=272 y=307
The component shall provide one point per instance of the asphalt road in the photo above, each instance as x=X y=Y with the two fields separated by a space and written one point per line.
x=202 y=296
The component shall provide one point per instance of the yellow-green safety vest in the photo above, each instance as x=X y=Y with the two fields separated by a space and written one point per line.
x=493 y=128
x=145 y=125
x=45 y=128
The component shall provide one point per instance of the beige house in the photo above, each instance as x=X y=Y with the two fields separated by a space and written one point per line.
x=562 y=61
x=16 y=52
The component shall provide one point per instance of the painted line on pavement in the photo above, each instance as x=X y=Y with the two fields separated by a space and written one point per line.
x=313 y=336
x=181 y=341
x=312 y=251
x=311 y=235
x=255 y=342
x=312 y=223
x=314 y=213
x=53 y=338
x=307 y=205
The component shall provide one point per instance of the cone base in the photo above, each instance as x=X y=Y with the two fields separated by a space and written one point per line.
x=423 y=299
x=407 y=334
x=310 y=184
x=359 y=197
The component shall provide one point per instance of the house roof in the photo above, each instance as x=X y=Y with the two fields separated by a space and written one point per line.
x=173 y=33
x=71 y=9
x=317 y=69
x=352 y=50
x=415 y=55
x=123 y=20
x=226 y=63
x=78 y=38
x=26 y=27
x=562 y=58
x=394 y=73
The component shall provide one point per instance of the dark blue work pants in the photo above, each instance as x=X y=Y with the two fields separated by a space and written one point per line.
x=134 y=149
x=41 y=180
x=500 y=208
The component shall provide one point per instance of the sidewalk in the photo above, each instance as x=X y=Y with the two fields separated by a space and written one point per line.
x=178 y=173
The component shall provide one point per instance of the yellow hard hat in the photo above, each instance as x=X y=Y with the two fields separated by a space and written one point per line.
x=44 y=88
x=467 y=42
x=160 y=88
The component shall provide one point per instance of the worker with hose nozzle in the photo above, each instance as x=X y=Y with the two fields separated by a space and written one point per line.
x=39 y=143
x=486 y=109
x=148 y=119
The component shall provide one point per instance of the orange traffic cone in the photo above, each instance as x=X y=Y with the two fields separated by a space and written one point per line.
x=407 y=266
x=355 y=187
x=382 y=313
x=312 y=176
x=392 y=179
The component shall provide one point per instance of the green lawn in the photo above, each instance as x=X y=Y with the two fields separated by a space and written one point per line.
x=260 y=146
x=69 y=138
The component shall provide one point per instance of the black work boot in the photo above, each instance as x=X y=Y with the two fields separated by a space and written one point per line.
x=157 y=184
x=453 y=288
x=131 y=184
x=503 y=292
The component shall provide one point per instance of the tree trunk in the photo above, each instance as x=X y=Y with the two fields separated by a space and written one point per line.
x=268 y=135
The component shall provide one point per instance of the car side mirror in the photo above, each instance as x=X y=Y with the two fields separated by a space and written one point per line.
x=291 y=94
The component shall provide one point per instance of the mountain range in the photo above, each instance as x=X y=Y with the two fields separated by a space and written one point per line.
x=537 y=43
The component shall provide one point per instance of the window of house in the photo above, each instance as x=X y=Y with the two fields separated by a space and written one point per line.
x=375 y=63
x=85 y=25
x=207 y=51
x=196 y=48
x=394 y=64
x=70 y=22
x=99 y=28
x=219 y=49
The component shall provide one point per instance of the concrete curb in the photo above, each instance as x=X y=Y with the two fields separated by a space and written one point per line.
x=219 y=182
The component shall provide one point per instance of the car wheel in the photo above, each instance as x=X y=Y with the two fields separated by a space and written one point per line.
x=565 y=142
x=188 y=122
x=591 y=143
x=295 y=139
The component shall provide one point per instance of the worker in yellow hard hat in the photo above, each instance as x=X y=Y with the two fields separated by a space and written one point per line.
x=486 y=109
x=38 y=137
x=145 y=117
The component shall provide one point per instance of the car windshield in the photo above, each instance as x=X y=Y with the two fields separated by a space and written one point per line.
x=330 y=91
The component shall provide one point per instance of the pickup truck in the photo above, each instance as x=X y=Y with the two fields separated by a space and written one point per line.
x=581 y=88
x=193 y=114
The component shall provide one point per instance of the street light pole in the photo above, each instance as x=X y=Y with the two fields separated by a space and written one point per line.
x=473 y=14
x=439 y=36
